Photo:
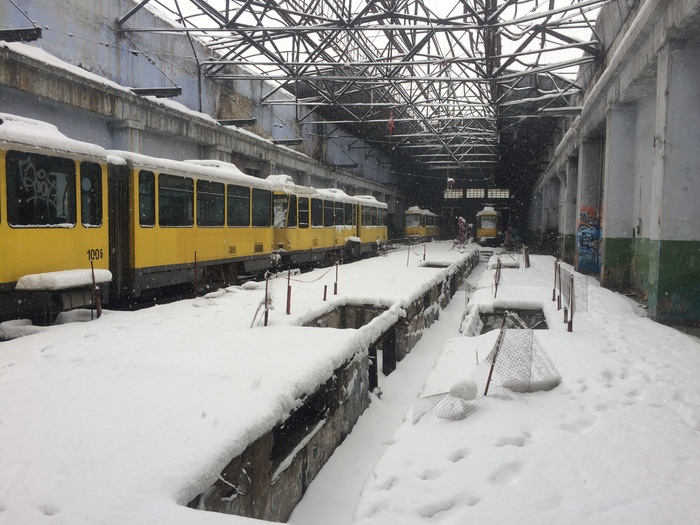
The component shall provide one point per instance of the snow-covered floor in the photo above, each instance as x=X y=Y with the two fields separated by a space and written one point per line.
x=124 y=419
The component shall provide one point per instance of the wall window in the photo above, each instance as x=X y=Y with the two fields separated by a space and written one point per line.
x=474 y=193
x=262 y=208
x=147 y=198
x=90 y=194
x=175 y=201
x=210 y=203
x=499 y=193
x=40 y=190
x=453 y=194
x=238 y=206
x=303 y=212
x=316 y=212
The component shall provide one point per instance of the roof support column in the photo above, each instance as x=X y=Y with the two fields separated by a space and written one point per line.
x=674 y=269
x=618 y=197
x=588 y=222
x=567 y=216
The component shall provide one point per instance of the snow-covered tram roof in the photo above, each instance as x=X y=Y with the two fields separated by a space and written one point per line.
x=371 y=200
x=488 y=210
x=42 y=136
x=284 y=182
x=215 y=170
x=417 y=210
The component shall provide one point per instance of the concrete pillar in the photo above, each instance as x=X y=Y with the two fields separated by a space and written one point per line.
x=535 y=235
x=550 y=214
x=588 y=222
x=674 y=293
x=618 y=197
x=544 y=219
x=553 y=203
x=567 y=230
x=127 y=135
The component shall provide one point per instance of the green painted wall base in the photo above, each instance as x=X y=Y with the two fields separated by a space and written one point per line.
x=616 y=268
x=675 y=295
x=665 y=273
x=566 y=246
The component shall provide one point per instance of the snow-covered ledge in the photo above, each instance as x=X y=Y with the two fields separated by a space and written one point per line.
x=62 y=280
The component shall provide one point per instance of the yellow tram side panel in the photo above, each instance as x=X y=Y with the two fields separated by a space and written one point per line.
x=369 y=233
x=311 y=238
x=32 y=250
x=164 y=246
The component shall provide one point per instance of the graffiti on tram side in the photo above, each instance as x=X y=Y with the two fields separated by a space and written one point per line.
x=588 y=238
x=39 y=186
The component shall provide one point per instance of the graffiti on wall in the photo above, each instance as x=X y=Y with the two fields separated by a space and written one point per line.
x=588 y=239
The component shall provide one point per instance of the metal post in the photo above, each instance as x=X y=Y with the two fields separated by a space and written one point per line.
x=195 y=273
x=572 y=307
x=267 y=302
x=325 y=291
x=495 y=355
x=289 y=292
x=92 y=269
x=335 y=286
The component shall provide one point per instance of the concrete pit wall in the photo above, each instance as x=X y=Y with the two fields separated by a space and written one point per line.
x=270 y=477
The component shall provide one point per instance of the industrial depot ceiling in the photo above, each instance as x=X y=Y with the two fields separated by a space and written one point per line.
x=464 y=89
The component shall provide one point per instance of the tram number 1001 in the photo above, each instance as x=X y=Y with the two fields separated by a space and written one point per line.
x=94 y=255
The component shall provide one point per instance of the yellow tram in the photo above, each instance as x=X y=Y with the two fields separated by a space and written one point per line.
x=488 y=227
x=200 y=222
x=421 y=224
x=146 y=225
x=53 y=216
x=313 y=225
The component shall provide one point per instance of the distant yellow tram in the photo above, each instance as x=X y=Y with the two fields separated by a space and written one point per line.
x=488 y=227
x=421 y=225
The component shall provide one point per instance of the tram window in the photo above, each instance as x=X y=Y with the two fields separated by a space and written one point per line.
x=316 y=212
x=280 y=204
x=90 y=194
x=366 y=216
x=349 y=214
x=412 y=221
x=488 y=222
x=40 y=190
x=374 y=216
x=238 y=206
x=339 y=221
x=175 y=201
x=262 y=207
x=384 y=216
x=303 y=212
x=292 y=215
x=210 y=203
x=147 y=198
x=327 y=214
